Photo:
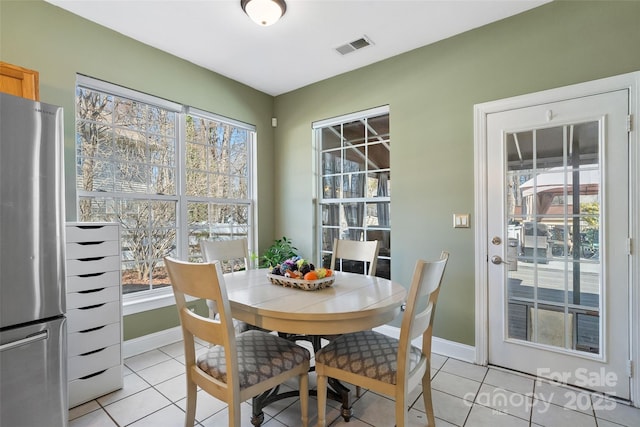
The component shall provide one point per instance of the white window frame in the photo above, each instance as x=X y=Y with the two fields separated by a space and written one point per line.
x=162 y=297
x=317 y=143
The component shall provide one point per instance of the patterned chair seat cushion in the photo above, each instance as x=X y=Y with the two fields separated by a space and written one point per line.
x=260 y=356
x=366 y=353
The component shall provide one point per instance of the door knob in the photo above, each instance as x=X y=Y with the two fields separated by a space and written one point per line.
x=496 y=259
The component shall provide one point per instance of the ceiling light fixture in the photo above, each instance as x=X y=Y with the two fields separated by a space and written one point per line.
x=264 y=12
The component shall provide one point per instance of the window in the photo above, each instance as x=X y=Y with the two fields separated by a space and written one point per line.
x=355 y=183
x=217 y=181
x=169 y=174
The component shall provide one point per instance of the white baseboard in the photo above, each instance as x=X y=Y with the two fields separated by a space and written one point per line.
x=441 y=346
x=453 y=349
x=390 y=331
x=150 y=342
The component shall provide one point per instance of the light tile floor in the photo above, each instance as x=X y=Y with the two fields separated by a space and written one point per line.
x=464 y=395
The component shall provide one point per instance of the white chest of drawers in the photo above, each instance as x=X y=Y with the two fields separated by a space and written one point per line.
x=94 y=313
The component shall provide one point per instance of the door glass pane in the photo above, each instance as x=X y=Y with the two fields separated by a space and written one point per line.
x=552 y=198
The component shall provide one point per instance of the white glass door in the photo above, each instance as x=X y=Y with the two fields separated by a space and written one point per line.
x=558 y=207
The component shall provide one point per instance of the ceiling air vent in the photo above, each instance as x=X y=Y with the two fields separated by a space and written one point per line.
x=354 y=45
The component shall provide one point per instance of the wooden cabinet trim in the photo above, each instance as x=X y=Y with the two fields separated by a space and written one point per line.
x=19 y=81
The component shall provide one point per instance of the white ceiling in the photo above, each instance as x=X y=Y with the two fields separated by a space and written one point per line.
x=300 y=48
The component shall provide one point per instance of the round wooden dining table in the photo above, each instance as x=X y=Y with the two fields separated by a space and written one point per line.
x=355 y=302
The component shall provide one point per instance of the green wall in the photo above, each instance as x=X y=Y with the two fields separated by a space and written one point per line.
x=148 y=322
x=431 y=92
x=58 y=44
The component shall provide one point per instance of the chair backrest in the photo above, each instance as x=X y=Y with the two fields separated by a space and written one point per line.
x=226 y=250
x=421 y=303
x=205 y=280
x=355 y=250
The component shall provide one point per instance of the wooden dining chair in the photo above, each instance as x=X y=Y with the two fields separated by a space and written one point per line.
x=236 y=367
x=355 y=250
x=232 y=254
x=386 y=365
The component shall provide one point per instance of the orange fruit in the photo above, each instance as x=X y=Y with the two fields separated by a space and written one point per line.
x=294 y=274
x=329 y=273
x=312 y=275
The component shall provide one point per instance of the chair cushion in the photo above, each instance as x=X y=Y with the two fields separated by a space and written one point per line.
x=260 y=356
x=366 y=353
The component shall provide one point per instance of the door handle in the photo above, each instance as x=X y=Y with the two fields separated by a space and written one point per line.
x=496 y=259
x=42 y=335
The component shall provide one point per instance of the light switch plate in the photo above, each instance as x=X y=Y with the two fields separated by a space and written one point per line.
x=461 y=221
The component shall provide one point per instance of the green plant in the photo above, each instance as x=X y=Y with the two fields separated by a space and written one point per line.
x=254 y=259
x=279 y=251
x=593 y=209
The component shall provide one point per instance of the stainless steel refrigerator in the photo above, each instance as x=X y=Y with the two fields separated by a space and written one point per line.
x=33 y=366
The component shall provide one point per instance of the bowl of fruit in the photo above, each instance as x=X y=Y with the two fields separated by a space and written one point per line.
x=299 y=273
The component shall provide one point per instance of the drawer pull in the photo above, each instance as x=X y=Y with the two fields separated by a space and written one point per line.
x=89 y=307
x=90 y=291
x=97 y=258
x=93 y=351
x=86 y=377
x=97 y=328
x=90 y=227
x=90 y=243
x=91 y=274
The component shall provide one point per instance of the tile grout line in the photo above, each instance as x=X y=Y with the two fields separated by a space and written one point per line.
x=592 y=413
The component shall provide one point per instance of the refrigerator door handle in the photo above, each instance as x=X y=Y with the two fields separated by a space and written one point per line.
x=42 y=335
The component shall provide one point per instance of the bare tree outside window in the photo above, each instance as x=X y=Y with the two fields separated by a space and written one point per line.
x=128 y=171
x=217 y=181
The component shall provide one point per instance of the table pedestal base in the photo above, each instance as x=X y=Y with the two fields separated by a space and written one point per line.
x=267 y=398
x=335 y=390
